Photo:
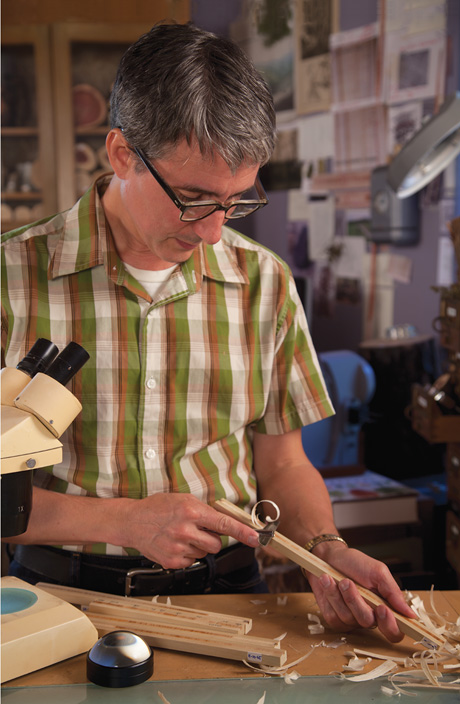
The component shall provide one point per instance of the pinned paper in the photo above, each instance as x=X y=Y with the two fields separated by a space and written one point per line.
x=322 y=227
x=350 y=264
x=400 y=268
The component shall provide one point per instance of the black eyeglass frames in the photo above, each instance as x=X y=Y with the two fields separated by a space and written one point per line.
x=197 y=210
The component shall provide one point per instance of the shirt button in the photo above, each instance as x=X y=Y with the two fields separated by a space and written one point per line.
x=150 y=453
x=151 y=383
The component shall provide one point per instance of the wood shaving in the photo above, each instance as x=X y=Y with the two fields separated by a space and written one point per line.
x=257 y=523
x=418 y=607
x=356 y=664
x=379 y=656
x=432 y=675
x=402 y=681
x=262 y=699
x=388 y=691
x=163 y=698
x=282 y=600
x=316 y=628
x=424 y=670
x=166 y=603
x=453 y=629
x=383 y=669
x=283 y=670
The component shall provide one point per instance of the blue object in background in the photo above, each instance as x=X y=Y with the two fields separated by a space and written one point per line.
x=350 y=381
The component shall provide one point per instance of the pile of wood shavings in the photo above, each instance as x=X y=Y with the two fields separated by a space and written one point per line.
x=426 y=669
x=285 y=671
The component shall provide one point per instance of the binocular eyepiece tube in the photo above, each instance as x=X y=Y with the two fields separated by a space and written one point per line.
x=43 y=357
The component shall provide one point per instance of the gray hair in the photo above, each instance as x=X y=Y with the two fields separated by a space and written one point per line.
x=179 y=81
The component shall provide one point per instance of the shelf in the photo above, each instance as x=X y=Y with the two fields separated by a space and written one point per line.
x=40 y=65
x=20 y=132
x=26 y=57
x=77 y=49
x=92 y=131
x=20 y=195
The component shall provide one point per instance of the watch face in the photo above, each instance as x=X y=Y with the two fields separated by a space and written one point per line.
x=381 y=202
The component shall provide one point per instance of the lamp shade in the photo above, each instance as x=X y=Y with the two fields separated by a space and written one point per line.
x=429 y=152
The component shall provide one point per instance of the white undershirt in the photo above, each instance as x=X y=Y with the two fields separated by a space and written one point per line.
x=150 y=280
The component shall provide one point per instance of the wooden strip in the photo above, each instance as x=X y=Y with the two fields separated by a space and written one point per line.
x=316 y=566
x=84 y=597
x=146 y=614
x=201 y=631
x=260 y=651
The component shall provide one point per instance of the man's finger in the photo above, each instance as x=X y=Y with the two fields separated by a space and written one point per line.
x=225 y=525
x=387 y=624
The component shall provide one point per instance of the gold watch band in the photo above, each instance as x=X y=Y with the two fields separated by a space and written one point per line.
x=322 y=539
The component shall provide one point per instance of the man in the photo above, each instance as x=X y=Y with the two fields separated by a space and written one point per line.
x=201 y=370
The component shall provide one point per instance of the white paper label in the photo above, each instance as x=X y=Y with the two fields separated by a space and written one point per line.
x=254 y=657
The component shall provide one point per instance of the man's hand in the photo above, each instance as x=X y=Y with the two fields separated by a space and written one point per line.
x=177 y=529
x=342 y=606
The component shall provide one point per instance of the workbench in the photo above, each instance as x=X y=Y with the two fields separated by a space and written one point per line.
x=182 y=677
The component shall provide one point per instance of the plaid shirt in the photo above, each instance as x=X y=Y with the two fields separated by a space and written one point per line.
x=175 y=386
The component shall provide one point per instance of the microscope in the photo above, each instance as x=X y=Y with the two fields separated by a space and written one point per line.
x=38 y=629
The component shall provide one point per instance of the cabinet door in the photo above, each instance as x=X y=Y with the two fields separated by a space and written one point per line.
x=85 y=60
x=28 y=168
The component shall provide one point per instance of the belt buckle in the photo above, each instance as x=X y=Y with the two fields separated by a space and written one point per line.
x=132 y=574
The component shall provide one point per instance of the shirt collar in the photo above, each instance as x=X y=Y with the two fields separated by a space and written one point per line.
x=86 y=242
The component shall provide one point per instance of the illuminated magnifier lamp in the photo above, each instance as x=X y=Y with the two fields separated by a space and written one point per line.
x=394 y=204
x=429 y=152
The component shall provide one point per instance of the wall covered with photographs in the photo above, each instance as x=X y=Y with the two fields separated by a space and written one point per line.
x=353 y=80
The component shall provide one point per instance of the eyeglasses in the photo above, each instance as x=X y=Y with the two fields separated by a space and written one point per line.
x=197 y=210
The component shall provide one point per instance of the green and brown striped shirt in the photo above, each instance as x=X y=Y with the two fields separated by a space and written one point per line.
x=175 y=386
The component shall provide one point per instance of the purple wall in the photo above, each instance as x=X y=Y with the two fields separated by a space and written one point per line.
x=415 y=303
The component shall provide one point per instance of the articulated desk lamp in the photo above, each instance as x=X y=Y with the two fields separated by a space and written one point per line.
x=38 y=629
x=429 y=152
x=394 y=212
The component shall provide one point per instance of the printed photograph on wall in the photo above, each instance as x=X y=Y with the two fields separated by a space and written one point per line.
x=283 y=171
x=313 y=65
x=265 y=31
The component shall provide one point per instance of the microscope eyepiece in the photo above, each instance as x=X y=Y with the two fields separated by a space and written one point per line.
x=38 y=358
x=67 y=363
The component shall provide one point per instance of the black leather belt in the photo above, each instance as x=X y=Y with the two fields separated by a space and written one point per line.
x=129 y=576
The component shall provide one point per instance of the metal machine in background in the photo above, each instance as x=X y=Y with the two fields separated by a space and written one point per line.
x=38 y=629
x=393 y=220
x=350 y=381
